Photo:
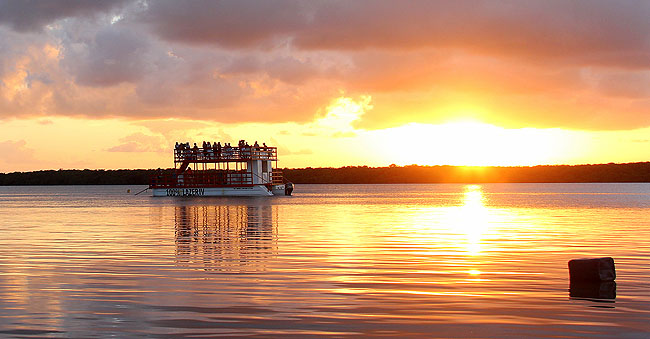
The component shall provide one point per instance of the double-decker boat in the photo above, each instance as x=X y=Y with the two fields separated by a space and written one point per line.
x=215 y=170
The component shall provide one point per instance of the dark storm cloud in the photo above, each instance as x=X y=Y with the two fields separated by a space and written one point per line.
x=33 y=15
x=547 y=27
x=228 y=23
x=580 y=31
x=115 y=55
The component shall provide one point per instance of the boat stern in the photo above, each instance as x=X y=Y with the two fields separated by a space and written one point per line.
x=282 y=189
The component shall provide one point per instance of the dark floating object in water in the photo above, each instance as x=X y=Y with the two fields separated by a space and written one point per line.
x=288 y=188
x=592 y=279
x=592 y=269
x=590 y=290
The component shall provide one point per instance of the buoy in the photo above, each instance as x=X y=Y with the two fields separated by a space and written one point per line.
x=128 y=191
x=592 y=269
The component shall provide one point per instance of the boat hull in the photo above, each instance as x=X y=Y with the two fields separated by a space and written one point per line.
x=278 y=189
x=243 y=191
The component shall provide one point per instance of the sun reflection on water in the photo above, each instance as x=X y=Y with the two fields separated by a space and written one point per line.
x=472 y=218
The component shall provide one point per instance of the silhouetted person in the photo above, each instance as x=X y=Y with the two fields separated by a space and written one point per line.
x=186 y=149
x=208 y=150
x=227 y=150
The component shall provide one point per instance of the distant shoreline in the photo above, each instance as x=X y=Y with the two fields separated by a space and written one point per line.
x=599 y=173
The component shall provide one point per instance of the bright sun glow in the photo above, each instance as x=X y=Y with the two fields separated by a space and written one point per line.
x=471 y=143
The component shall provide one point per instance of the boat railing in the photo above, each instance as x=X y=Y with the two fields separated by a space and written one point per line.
x=202 y=179
x=225 y=154
x=277 y=177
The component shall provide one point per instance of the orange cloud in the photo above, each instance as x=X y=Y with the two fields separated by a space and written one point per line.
x=16 y=153
x=579 y=64
x=140 y=142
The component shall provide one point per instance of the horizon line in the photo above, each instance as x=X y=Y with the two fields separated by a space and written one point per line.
x=353 y=166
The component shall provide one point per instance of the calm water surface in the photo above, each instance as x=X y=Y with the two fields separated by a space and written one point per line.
x=331 y=261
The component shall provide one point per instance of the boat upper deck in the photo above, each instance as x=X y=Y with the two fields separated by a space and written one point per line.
x=225 y=154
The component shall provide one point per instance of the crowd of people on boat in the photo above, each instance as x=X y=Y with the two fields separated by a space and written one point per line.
x=213 y=151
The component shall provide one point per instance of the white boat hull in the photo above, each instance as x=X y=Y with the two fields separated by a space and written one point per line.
x=278 y=189
x=248 y=191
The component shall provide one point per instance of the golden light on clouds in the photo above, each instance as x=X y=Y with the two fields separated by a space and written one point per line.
x=331 y=83
x=330 y=140
x=16 y=81
x=342 y=112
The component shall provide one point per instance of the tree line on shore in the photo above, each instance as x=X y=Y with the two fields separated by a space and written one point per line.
x=631 y=172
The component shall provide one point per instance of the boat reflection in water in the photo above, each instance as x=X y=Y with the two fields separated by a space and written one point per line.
x=234 y=239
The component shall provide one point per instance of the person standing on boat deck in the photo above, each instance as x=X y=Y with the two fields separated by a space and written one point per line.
x=186 y=149
x=218 y=149
x=208 y=151
x=247 y=150
x=195 y=151
x=255 y=148
x=263 y=150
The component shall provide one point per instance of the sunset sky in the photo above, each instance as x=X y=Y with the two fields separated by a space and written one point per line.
x=114 y=84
